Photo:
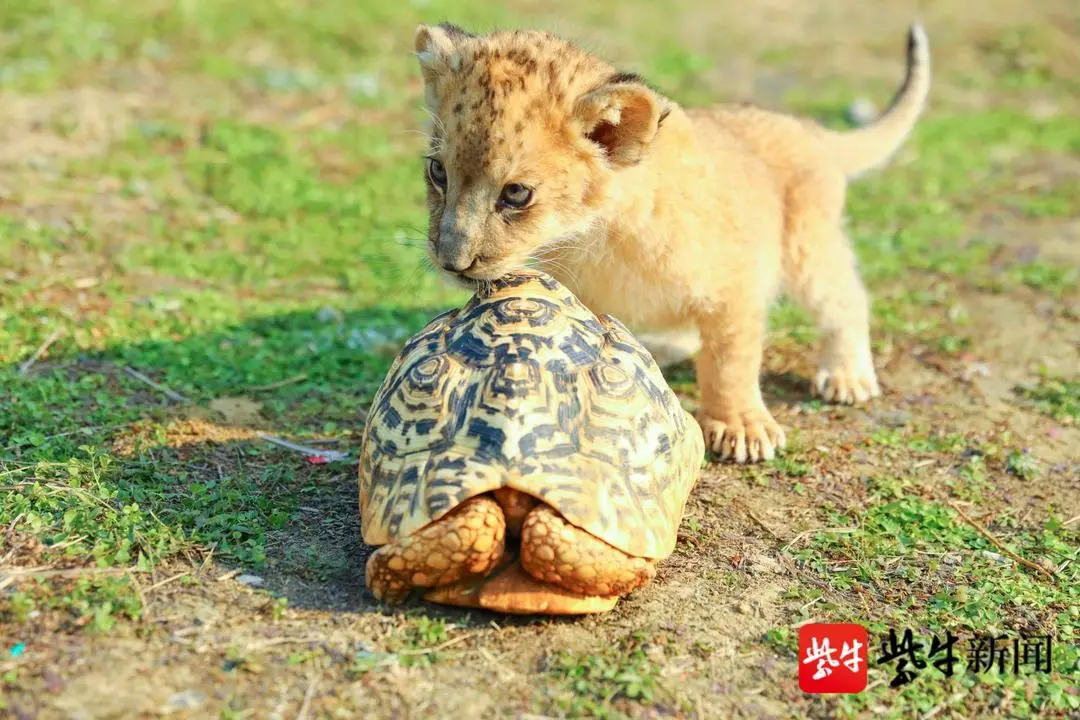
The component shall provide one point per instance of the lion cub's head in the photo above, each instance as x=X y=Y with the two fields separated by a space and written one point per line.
x=527 y=130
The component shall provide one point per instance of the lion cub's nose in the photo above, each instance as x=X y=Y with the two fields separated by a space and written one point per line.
x=460 y=265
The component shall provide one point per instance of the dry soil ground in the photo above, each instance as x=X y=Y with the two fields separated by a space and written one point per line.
x=208 y=221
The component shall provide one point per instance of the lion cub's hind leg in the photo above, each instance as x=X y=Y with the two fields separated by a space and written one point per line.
x=821 y=274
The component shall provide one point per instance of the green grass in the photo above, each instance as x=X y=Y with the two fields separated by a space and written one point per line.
x=222 y=325
x=1050 y=278
x=931 y=572
x=1022 y=58
x=418 y=642
x=916 y=216
x=81 y=517
x=1057 y=397
x=228 y=253
x=1059 y=201
x=52 y=42
x=598 y=682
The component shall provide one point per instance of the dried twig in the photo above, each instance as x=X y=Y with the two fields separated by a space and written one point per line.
x=171 y=394
x=757 y=521
x=279 y=383
x=1070 y=521
x=808 y=533
x=307 y=639
x=53 y=337
x=142 y=596
x=307 y=699
x=67 y=543
x=998 y=544
x=437 y=648
x=10 y=578
x=328 y=454
x=166 y=581
x=8 y=534
x=207 y=559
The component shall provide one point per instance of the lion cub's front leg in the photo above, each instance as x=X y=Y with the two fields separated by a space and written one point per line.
x=733 y=416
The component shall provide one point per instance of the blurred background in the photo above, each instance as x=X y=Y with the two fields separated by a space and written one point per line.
x=212 y=227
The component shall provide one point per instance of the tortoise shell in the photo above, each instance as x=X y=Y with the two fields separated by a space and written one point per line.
x=524 y=387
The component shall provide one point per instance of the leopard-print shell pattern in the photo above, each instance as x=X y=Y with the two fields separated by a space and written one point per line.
x=524 y=387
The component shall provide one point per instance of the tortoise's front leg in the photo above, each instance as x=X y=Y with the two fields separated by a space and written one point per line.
x=557 y=552
x=469 y=540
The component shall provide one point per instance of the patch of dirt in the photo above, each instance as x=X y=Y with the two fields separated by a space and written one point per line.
x=45 y=129
x=208 y=643
x=191 y=433
x=1053 y=240
x=63 y=125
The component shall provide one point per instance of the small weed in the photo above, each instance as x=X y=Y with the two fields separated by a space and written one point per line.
x=277 y=610
x=598 y=680
x=936 y=572
x=236 y=659
x=1061 y=201
x=938 y=442
x=365 y=661
x=425 y=633
x=1055 y=396
x=971 y=480
x=301 y=658
x=783 y=640
x=19 y=608
x=953 y=344
x=791 y=466
x=274 y=249
x=415 y=644
x=1022 y=464
x=1053 y=279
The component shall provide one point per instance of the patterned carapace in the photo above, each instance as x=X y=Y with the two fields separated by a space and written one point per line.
x=524 y=387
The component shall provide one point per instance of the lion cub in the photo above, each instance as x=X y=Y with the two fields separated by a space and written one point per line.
x=683 y=223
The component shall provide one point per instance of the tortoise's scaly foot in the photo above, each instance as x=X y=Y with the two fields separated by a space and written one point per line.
x=557 y=552
x=469 y=540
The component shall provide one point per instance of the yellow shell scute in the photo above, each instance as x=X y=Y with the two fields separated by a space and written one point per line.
x=525 y=388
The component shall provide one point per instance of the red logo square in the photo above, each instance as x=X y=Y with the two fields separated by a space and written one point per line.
x=832 y=658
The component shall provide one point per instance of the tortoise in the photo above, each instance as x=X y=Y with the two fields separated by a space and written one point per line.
x=523 y=455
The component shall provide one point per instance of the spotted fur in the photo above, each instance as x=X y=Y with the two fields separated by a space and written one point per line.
x=684 y=222
x=525 y=388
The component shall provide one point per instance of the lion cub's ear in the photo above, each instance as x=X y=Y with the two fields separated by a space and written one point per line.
x=436 y=47
x=621 y=116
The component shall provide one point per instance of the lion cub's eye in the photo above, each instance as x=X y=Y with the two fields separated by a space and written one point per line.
x=515 y=196
x=437 y=172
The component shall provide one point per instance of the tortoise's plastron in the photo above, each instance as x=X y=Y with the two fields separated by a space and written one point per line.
x=524 y=414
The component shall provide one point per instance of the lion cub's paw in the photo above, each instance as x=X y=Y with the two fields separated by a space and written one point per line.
x=747 y=436
x=846 y=386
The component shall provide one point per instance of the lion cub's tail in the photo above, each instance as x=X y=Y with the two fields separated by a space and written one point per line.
x=872 y=146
